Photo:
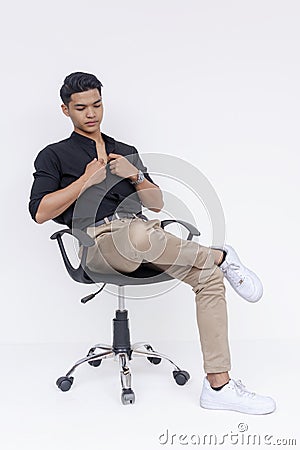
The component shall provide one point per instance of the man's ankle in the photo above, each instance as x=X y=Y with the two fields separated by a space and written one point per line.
x=218 y=379
x=222 y=258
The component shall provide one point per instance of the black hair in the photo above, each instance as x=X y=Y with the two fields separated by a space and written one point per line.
x=78 y=82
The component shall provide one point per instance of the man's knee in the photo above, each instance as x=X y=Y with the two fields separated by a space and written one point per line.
x=139 y=236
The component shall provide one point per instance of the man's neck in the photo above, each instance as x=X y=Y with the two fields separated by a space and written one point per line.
x=96 y=136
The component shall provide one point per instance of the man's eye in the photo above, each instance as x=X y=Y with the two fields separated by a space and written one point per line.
x=79 y=109
x=97 y=106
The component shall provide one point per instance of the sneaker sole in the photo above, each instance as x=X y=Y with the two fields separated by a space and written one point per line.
x=233 y=407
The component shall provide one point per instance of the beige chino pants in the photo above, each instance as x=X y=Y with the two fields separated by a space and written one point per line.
x=124 y=243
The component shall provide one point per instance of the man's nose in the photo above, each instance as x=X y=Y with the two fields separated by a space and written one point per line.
x=90 y=112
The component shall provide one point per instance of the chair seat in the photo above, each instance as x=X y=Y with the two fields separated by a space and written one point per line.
x=146 y=273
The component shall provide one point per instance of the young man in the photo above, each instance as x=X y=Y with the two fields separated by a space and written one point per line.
x=93 y=182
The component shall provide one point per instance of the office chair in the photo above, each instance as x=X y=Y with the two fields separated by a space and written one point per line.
x=121 y=347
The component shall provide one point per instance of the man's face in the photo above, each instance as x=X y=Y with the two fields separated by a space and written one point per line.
x=85 y=110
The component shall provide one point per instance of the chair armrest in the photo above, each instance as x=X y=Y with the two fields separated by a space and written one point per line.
x=86 y=241
x=192 y=229
x=80 y=235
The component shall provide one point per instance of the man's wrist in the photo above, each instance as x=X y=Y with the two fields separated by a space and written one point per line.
x=134 y=178
x=139 y=178
x=82 y=182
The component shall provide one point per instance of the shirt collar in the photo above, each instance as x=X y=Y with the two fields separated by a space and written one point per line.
x=87 y=142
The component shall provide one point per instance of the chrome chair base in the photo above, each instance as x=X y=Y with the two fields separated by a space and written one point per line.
x=144 y=349
x=123 y=351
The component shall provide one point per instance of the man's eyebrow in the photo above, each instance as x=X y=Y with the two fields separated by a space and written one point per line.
x=82 y=104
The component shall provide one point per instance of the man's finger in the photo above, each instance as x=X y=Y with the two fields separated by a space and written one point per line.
x=114 y=156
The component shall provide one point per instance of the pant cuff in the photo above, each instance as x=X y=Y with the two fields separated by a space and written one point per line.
x=217 y=369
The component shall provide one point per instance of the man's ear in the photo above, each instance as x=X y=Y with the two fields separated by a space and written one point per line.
x=65 y=110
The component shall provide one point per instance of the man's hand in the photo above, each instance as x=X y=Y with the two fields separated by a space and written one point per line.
x=95 y=172
x=120 y=166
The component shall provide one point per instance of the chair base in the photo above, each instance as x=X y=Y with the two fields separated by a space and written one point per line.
x=124 y=352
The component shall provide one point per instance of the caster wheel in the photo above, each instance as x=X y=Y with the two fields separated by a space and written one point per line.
x=95 y=363
x=181 y=376
x=154 y=359
x=64 y=383
x=127 y=397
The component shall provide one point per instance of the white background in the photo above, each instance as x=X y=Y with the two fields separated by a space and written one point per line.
x=214 y=83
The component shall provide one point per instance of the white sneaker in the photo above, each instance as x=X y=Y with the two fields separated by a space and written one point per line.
x=234 y=397
x=245 y=282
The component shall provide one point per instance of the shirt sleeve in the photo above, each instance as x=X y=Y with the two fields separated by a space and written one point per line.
x=47 y=177
x=138 y=163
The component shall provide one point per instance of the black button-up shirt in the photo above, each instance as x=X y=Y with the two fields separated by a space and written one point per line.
x=60 y=164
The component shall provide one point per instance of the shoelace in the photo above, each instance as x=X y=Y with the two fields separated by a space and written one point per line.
x=233 y=274
x=241 y=388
